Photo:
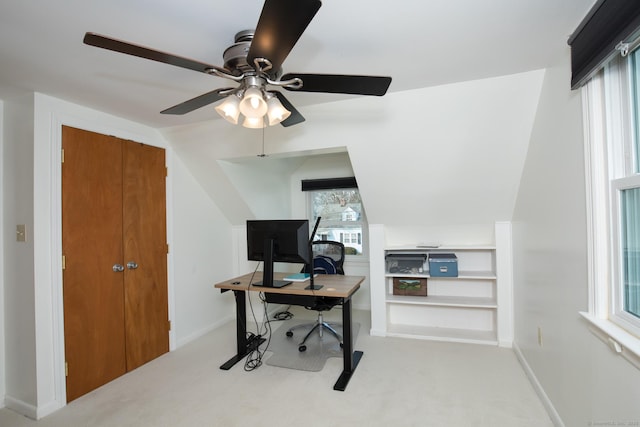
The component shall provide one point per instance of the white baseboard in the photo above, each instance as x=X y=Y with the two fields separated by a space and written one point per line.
x=204 y=331
x=30 y=411
x=551 y=410
x=21 y=407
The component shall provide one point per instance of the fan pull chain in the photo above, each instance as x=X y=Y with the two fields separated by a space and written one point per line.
x=262 y=154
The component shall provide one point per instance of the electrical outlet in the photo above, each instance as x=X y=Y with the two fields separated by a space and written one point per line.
x=21 y=233
x=539 y=336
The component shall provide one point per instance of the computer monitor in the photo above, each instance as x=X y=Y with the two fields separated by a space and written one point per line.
x=284 y=240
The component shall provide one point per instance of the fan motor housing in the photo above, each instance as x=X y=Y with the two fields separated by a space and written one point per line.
x=235 y=56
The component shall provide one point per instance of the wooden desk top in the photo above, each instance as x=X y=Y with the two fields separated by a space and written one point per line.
x=333 y=285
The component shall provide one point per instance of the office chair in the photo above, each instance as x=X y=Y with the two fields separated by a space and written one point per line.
x=328 y=258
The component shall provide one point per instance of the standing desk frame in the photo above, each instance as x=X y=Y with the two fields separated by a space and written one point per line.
x=335 y=286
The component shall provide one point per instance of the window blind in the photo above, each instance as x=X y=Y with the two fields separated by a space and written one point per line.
x=329 y=183
x=594 y=42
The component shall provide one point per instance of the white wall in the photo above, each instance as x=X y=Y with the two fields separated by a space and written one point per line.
x=18 y=199
x=34 y=334
x=440 y=163
x=202 y=242
x=580 y=376
x=200 y=147
x=263 y=183
x=447 y=155
x=2 y=234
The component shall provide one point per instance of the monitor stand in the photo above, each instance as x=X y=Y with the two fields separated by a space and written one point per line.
x=276 y=284
x=312 y=286
x=267 y=275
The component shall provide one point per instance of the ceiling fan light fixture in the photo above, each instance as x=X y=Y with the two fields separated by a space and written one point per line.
x=253 y=104
x=276 y=111
x=229 y=109
x=255 y=61
x=254 y=122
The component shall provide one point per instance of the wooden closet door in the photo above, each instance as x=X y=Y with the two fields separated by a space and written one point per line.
x=113 y=213
x=91 y=244
x=145 y=245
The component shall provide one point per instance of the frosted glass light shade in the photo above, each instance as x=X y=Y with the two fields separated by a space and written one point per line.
x=276 y=111
x=253 y=104
x=254 y=123
x=229 y=110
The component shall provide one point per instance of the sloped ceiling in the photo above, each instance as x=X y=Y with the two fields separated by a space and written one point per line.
x=419 y=43
x=451 y=154
x=446 y=144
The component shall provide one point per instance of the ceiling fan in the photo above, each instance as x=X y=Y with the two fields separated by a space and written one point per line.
x=254 y=61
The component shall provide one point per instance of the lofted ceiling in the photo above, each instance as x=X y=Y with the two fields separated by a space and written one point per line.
x=418 y=43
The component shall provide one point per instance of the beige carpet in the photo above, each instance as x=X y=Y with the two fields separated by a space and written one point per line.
x=399 y=382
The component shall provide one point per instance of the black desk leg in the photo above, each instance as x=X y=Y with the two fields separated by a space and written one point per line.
x=243 y=346
x=350 y=358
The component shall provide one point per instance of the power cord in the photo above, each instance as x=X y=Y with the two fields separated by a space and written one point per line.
x=254 y=358
x=283 y=315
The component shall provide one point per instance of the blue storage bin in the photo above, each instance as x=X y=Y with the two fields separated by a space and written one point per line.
x=443 y=265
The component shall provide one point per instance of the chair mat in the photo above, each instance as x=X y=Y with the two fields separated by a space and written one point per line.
x=285 y=349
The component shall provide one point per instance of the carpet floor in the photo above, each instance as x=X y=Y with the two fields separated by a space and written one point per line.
x=399 y=382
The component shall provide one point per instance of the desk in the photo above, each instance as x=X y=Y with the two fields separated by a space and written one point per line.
x=339 y=286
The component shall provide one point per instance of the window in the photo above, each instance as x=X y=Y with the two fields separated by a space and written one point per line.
x=621 y=82
x=626 y=206
x=612 y=130
x=626 y=201
x=342 y=217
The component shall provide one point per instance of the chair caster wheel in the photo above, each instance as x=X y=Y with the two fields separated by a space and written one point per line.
x=289 y=334
x=302 y=348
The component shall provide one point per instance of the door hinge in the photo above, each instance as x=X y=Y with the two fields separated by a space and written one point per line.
x=166 y=171
x=62 y=156
x=66 y=369
x=64 y=262
x=167 y=248
x=169 y=322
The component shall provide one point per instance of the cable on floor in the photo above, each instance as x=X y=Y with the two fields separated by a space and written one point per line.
x=283 y=315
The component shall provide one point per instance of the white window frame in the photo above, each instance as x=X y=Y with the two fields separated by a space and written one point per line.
x=618 y=315
x=609 y=165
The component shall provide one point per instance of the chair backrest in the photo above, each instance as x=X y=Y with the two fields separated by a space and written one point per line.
x=328 y=249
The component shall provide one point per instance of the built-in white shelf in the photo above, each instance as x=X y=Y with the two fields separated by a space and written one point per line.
x=444 y=301
x=473 y=307
x=462 y=275
x=441 y=248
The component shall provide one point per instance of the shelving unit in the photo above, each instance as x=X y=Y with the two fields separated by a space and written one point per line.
x=474 y=307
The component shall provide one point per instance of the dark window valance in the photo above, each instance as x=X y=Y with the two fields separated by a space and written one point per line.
x=329 y=183
x=593 y=43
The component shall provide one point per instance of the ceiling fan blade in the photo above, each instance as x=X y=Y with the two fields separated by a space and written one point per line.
x=281 y=24
x=197 y=102
x=115 y=45
x=295 y=116
x=338 y=83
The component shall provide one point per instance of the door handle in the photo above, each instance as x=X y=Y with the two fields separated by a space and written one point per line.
x=131 y=265
x=118 y=268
